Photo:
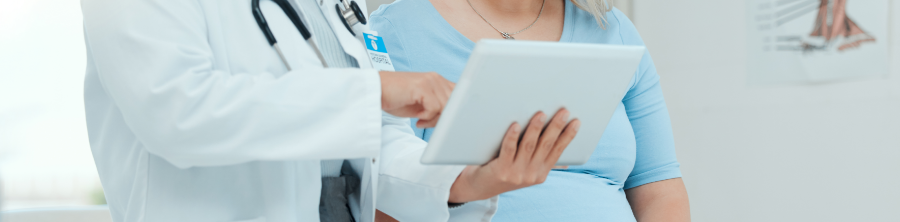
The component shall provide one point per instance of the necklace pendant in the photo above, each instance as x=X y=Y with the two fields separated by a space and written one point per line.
x=507 y=36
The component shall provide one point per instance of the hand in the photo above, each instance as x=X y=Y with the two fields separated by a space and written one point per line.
x=520 y=163
x=419 y=95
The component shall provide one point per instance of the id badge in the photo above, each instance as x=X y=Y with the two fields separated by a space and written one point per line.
x=378 y=54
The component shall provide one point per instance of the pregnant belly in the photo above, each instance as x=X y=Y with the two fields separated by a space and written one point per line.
x=566 y=196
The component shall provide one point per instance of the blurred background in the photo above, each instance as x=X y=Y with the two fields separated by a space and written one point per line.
x=45 y=158
x=797 y=151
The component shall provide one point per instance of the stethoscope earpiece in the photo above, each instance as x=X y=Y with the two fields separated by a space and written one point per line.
x=350 y=15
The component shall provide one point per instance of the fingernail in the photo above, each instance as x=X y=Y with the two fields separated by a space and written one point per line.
x=565 y=116
x=577 y=124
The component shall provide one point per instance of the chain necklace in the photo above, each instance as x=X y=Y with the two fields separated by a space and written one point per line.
x=507 y=35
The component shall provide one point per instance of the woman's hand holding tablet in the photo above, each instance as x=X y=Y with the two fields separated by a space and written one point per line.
x=508 y=81
x=521 y=163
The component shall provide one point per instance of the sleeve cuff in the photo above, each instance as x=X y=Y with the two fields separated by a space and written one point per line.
x=422 y=200
x=659 y=174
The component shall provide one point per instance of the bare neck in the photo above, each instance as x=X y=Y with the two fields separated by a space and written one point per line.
x=509 y=7
x=506 y=15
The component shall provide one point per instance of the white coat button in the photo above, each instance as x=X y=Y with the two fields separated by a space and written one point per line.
x=373 y=160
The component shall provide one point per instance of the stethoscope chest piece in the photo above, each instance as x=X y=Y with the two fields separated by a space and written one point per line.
x=350 y=15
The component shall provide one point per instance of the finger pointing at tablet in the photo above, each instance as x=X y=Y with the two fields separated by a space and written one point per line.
x=522 y=162
x=419 y=95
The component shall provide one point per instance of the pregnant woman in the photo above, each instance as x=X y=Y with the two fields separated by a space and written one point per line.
x=632 y=175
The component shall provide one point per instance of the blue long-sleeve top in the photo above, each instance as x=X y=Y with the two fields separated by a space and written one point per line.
x=636 y=148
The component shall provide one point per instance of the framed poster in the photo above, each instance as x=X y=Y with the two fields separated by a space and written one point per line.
x=814 y=41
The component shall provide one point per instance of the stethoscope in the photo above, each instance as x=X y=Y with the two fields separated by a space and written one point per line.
x=350 y=15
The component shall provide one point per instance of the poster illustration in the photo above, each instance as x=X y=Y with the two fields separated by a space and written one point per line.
x=815 y=41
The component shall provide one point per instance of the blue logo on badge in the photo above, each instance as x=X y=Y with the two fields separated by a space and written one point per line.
x=375 y=43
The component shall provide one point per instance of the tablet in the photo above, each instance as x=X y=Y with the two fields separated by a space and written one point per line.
x=509 y=81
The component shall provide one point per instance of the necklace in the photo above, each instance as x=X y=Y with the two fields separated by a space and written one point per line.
x=507 y=35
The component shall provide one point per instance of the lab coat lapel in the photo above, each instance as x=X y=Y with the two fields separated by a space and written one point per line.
x=352 y=45
x=300 y=11
x=366 y=168
x=368 y=173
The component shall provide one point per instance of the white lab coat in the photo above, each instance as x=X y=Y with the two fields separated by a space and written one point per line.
x=193 y=117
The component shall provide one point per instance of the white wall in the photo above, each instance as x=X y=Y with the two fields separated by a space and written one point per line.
x=372 y=5
x=818 y=152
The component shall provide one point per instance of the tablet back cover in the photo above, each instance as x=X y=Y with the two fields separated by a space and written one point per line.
x=509 y=81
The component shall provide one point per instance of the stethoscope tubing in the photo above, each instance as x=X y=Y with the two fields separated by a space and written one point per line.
x=295 y=19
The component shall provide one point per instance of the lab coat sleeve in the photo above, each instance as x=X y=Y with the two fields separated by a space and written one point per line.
x=411 y=191
x=154 y=59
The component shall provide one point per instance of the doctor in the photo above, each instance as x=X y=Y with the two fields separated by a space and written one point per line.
x=193 y=115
